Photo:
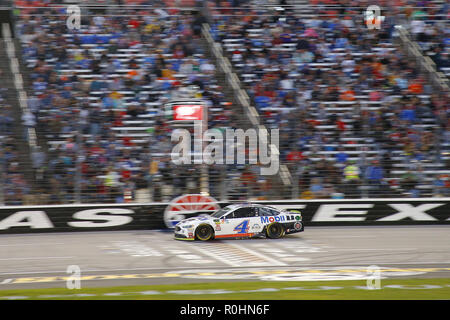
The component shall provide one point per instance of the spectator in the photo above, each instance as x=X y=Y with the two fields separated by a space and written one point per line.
x=409 y=184
x=341 y=156
x=441 y=186
x=317 y=188
x=374 y=175
x=351 y=179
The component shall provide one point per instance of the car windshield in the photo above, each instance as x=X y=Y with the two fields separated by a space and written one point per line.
x=219 y=213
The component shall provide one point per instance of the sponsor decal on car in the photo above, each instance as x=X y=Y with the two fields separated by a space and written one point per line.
x=242 y=228
x=273 y=219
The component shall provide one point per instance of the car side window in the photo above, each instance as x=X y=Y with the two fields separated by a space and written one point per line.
x=244 y=213
x=266 y=212
x=228 y=216
x=274 y=212
x=253 y=213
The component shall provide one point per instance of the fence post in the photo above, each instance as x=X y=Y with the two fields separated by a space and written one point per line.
x=2 y=176
x=77 y=182
x=295 y=180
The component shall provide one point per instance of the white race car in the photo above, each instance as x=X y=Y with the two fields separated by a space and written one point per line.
x=240 y=221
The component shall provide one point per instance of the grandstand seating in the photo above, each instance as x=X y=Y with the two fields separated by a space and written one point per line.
x=340 y=95
x=264 y=49
x=113 y=91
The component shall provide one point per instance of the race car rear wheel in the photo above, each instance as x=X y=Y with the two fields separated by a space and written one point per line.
x=274 y=231
x=204 y=232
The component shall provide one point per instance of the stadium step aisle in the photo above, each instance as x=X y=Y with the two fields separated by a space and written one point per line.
x=14 y=143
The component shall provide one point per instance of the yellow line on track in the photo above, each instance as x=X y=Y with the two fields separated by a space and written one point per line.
x=213 y=273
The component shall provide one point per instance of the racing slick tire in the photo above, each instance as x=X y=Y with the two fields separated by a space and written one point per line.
x=274 y=231
x=204 y=232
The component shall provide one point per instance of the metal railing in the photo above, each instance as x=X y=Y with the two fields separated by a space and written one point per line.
x=242 y=97
x=426 y=65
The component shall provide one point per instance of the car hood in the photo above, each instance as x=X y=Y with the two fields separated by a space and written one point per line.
x=196 y=219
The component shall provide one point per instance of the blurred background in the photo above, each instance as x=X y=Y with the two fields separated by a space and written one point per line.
x=362 y=113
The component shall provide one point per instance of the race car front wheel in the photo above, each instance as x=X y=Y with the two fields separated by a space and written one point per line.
x=274 y=231
x=204 y=232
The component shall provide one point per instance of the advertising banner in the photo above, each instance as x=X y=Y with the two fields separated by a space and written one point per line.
x=151 y=216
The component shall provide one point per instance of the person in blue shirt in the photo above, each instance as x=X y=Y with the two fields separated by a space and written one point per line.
x=374 y=175
x=408 y=114
x=341 y=156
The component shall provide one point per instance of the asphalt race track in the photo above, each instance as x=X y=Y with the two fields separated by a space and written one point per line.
x=154 y=257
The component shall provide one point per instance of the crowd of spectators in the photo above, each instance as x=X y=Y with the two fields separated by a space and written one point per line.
x=430 y=27
x=350 y=107
x=426 y=21
x=113 y=73
x=332 y=86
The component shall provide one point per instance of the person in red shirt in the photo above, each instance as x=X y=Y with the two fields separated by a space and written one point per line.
x=295 y=156
x=127 y=142
x=248 y=178
x=416 y=87
x=347 y=95
x=340 y=124
x=134 y=24
x=126 y=174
